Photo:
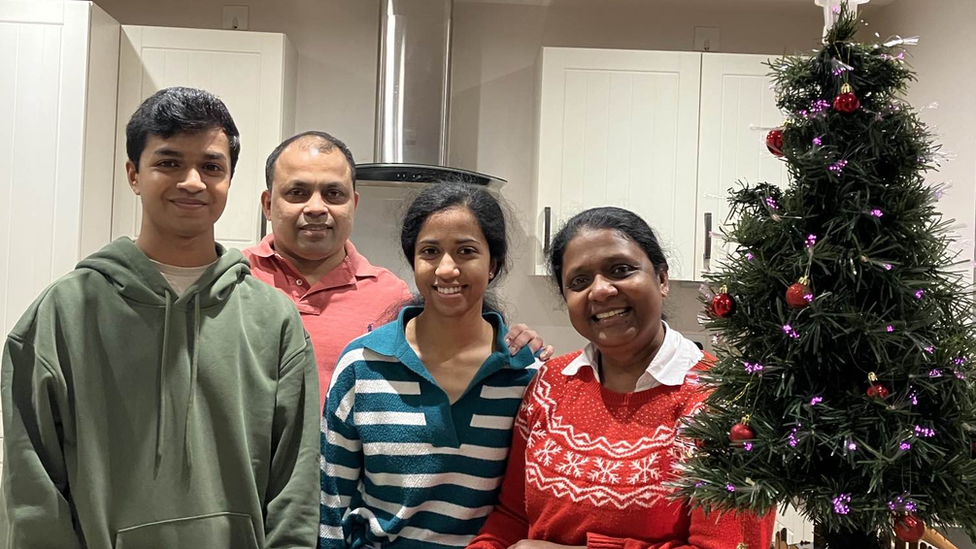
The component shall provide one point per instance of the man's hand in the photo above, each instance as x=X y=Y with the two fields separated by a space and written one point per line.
x=519 y=335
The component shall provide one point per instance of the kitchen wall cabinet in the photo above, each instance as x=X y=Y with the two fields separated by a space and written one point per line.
x=738 y=107
x=663 y=134
x=254 y=73
x=619 y=127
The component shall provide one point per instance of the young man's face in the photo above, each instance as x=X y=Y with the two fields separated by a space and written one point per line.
x=182 y=181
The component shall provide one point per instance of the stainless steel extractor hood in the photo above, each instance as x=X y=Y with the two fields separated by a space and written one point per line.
x=413 y=97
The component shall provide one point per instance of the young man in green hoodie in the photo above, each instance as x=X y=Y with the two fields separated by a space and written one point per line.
x=158 y=396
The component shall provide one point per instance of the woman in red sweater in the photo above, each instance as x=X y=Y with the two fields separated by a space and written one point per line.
x=595 y=439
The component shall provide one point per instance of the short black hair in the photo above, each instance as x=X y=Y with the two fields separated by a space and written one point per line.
x=327 y=143
x=176 y=110
x=623 y=221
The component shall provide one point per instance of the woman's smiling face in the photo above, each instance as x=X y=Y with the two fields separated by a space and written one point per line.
x=452 y=262
x=614 y=294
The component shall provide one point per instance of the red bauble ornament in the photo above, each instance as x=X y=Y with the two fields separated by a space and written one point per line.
x=741 y=431
x=723 y=304
x=846 y=102
x=796 y=294
x=878 y=391
x=909 y=528
x=774 y=141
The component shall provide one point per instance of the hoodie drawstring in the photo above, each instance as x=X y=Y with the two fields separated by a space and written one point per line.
x=187 y=441
x=161 y=398
x=161 y=401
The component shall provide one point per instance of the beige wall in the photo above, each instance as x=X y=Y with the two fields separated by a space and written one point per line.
x=492 y=104
x=946 y=75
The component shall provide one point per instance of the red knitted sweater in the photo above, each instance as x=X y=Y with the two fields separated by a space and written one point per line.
x=588 y=467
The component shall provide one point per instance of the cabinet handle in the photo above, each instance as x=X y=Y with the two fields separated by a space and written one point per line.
x=707 y=256
x=548 y=226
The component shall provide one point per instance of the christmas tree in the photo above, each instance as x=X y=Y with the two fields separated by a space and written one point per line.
x=844 y=381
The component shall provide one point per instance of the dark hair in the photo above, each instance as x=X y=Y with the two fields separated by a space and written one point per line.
x=487 y=211
x=324 y=143
x=172 y=111
x=623 y=221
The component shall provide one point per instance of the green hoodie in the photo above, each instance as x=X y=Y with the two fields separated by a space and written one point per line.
x=135 y=419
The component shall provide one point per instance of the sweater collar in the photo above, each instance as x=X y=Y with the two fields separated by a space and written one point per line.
x=391 y=340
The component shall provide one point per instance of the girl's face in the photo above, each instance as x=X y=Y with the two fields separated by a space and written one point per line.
x=452 y=262
x=613 y=292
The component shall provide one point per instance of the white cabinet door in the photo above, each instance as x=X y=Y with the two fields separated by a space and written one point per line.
x=738 y=108
x=252 y=72
x=619 y=128
x=59 y=62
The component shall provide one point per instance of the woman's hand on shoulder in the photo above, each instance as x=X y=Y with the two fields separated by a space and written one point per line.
x=536 y=544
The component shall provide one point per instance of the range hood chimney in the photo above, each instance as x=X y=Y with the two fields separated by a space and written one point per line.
x=413 y=97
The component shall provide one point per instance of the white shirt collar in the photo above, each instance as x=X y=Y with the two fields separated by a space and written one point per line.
x=669 y=366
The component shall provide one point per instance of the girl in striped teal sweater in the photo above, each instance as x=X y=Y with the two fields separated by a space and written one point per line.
x=418 y=422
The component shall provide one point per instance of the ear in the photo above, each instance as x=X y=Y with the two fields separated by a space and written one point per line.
x=662 y=276
x=266 y=204
x=492 y=270
x=355 y=200
x=132 y=176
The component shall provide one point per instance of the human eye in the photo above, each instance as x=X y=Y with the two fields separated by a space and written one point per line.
x=578 y=283
x=620 y=271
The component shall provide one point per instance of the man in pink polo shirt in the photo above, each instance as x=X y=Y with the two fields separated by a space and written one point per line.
x=311 y=202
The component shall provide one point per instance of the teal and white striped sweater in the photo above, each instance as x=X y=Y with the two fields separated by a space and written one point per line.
x=401 y=466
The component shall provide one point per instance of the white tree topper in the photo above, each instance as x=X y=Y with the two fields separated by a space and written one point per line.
x=832 y=10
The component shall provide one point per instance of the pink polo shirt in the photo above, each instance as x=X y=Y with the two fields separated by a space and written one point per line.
x=346 y=303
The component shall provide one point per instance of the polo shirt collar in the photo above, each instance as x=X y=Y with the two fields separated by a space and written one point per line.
x=360 y=266
x=355 y=263
x=266 y=247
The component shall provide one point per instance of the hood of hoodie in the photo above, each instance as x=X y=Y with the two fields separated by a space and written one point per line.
x=138 y=280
